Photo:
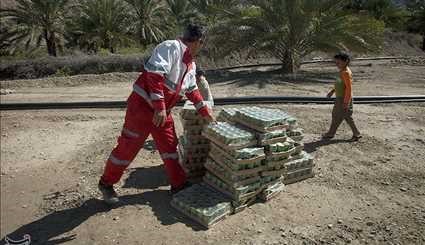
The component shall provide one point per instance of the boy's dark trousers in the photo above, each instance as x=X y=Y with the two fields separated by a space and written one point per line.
x=339 y=114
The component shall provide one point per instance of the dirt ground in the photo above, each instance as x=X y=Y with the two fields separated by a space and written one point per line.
x=371 y=78
x=369 y=192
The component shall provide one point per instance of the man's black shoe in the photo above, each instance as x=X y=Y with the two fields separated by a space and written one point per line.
x=108 y=193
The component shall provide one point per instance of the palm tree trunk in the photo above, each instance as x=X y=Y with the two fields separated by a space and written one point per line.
x=108 y=45
x=423 y=42
x=50 y=43
x=53 y=44
x=290 y=63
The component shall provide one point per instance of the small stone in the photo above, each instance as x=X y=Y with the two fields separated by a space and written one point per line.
x=6 y=91
x=282 y=229
x=283 y=234
x=116 y=218
x=387 y=228
x=403 y=189
x=330 y=226
x=369 y=223
x=339 y=221
x=24 y=206
x=259 y=231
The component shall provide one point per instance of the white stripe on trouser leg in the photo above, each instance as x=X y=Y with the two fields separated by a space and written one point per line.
x=200 y=105
x=167 y=156
x=191 y=89
x=155 y=96
x=117 y=161
x=140 y=91
x=130 y=133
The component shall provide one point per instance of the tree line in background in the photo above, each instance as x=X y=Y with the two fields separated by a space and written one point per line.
x=285 y=29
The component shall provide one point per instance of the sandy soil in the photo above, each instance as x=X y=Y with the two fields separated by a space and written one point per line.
x=371 y=78
x=370 y=192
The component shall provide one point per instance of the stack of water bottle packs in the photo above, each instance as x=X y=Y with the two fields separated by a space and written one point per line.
x=253 y=152
x=234 y=163
x=193 y=147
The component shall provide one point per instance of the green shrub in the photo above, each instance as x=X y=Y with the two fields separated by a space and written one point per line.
x=73 y=65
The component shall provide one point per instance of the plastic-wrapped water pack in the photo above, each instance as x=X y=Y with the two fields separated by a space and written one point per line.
x=227 y=114
x=232 y=178
x=239 y=193
x=299 y=169
x=272 y=190
x=296 y=134
x=271 y=137
x=239 y=160
x=262 y=119
x=228 y=135
x=203 y=204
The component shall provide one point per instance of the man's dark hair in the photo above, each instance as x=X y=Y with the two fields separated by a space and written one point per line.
x=343 y=56
x=200 y=73
x=193 y=33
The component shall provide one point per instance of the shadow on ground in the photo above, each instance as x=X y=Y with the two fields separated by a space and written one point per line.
x=261 y=78
x=313 y=146
x=46 y=230
x=146 y=178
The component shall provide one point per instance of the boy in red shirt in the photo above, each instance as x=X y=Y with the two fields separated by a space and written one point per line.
x=343 y=107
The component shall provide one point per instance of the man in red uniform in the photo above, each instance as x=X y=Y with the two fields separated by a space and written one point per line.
x=167 y=75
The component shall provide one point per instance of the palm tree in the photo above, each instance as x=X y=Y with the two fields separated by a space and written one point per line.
x=213 y=11
x=149 y=17
x=99 y=23
x=181 y=12
x=35 y=21
x=291 y=29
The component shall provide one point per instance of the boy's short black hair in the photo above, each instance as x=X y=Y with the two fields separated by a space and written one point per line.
x=343 y=56
x=193 y=33
x=200 y=73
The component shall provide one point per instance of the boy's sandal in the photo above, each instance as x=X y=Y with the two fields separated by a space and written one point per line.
x=327 y=136
x=356 y=138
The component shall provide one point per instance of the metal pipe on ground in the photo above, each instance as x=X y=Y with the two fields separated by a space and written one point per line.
x=219 y=101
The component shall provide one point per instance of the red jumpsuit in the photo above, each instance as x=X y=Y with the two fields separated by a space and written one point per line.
x=168 y=74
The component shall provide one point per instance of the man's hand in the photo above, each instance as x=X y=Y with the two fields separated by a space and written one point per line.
x=330 y=93
x=210 y=118
x=159 y=118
